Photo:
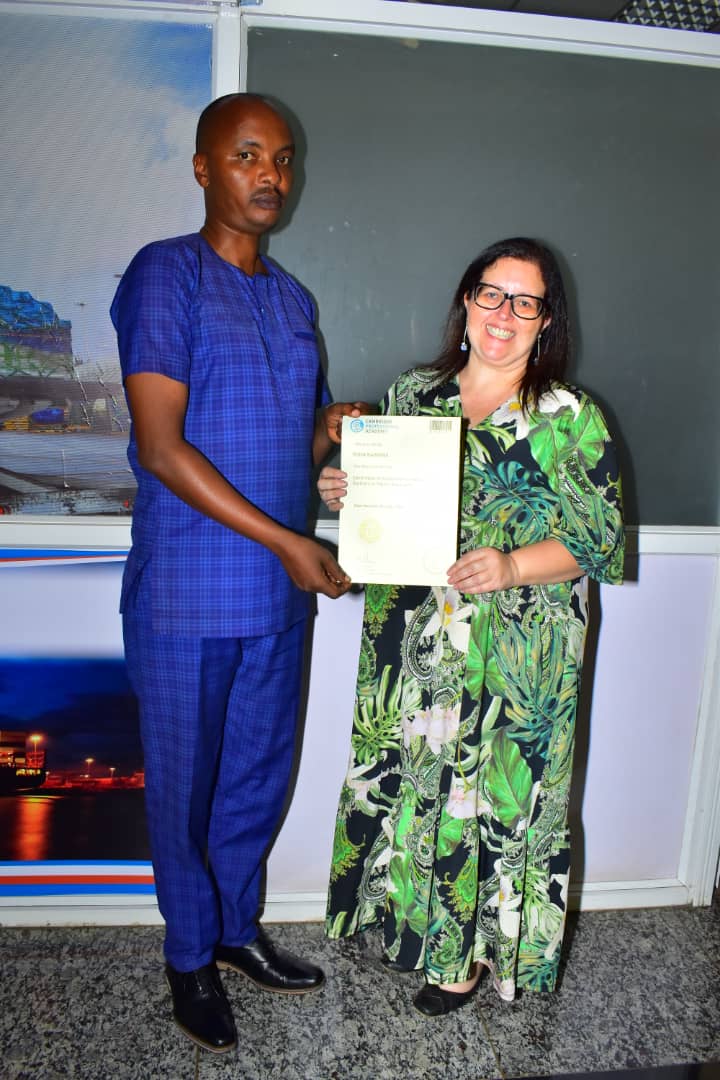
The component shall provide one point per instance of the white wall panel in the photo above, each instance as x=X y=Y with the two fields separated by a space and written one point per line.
x=645 y=700
x=633 y=772
x=64 y=611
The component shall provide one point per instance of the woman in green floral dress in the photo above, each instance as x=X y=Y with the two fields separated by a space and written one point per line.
x=452 y=828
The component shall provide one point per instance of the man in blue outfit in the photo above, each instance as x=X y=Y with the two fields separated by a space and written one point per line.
x=220 y=365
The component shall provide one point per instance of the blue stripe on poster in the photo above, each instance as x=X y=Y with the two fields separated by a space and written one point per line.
x=76 y=890
x=61 y=553
x=142 y=864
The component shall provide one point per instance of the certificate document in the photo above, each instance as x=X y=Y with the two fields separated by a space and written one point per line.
x=399 y=521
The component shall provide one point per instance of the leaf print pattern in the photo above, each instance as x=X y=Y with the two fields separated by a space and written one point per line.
x=452 y=823
x=378 y=717
x=378 y=601
x=508 y=781
x=516 y=500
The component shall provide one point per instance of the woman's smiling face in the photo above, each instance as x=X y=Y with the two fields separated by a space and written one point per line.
x=498 y=338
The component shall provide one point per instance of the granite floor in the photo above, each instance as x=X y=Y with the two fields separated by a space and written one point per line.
x=640 y=990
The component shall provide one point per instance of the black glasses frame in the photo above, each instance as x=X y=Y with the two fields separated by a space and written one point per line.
x=512 y=297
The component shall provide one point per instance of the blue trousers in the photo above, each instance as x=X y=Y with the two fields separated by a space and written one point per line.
x=218 y=718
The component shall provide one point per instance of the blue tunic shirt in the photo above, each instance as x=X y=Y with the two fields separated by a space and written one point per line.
x=247 y=350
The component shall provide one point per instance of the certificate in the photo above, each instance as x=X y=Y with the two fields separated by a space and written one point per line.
x=399 y=521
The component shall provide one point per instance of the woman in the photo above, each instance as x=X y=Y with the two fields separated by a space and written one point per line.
x=452 y=825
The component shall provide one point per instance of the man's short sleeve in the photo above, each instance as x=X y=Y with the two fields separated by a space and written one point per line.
x=151 y=311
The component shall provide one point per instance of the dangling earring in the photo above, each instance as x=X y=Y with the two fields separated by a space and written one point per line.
x=464 y=343
x=536 y=358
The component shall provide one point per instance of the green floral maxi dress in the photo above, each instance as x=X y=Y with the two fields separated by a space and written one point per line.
x=452 y=824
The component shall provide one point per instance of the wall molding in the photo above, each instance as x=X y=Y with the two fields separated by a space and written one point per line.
x=112 y=533
x=507 y=29
x=308 y=907
x=620 y=895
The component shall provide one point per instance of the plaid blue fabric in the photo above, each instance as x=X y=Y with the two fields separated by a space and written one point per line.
x=246 y=348
x=218 y=722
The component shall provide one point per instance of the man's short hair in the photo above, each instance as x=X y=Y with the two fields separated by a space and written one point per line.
x=207 y=116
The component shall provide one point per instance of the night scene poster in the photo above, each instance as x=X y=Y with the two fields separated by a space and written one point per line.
x=71 y=773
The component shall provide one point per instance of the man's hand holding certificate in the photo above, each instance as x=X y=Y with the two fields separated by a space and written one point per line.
x=399 y=522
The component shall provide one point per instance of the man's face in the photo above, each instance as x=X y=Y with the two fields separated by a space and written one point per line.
x=245 y=168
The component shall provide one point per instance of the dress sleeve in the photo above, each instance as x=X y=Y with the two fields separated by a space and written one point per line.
x=401 y=399
x=590 y=521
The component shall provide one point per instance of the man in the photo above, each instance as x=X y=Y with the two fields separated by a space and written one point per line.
x=221 y=372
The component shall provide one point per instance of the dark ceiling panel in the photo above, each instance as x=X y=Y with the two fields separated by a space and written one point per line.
x=698 y=15
x=604 y=10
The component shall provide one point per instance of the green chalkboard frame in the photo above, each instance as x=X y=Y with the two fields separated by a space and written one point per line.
x=415 y=153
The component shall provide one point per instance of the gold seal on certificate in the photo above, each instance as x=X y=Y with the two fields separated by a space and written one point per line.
x=399 y=522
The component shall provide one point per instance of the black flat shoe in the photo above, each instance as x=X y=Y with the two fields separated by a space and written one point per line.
x=200 y=1008
x=270 y=968
x=394 y=966
x=432 y=1000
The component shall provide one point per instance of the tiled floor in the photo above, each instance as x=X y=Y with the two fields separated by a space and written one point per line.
x=639 y=989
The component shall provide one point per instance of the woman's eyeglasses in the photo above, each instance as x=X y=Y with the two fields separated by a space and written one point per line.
x=523 y=305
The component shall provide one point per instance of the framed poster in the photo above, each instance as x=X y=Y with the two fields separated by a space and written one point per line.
x=100 y=115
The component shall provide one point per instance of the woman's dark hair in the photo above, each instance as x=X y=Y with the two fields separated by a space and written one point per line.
x=555 y=342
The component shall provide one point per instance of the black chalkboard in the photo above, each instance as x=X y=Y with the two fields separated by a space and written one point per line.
x=415 y=155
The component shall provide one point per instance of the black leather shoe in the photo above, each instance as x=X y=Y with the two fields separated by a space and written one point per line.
x=432 y=1000
x=270 y=968
x=200 y=1008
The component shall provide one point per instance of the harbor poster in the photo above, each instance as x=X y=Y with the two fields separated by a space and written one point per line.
x=100 y=115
